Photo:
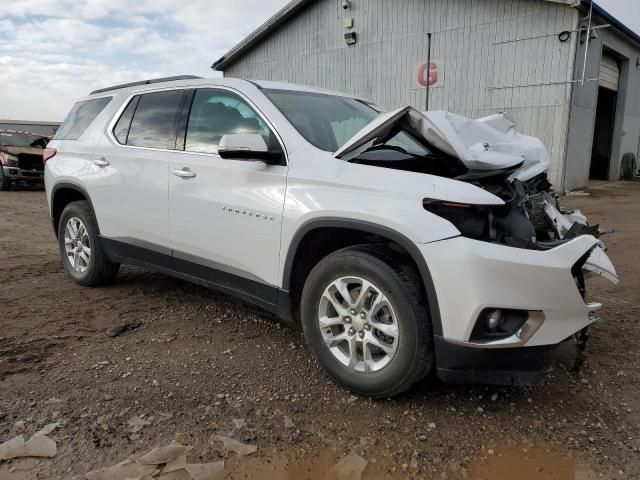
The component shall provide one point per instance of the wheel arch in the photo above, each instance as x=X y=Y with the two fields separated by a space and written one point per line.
x=356 y=229
x=62 y=194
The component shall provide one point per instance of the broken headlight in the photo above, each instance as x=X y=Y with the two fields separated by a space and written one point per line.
x=473 y=221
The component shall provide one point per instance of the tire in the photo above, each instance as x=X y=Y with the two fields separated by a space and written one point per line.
x=391 y=278
x=99 y=270
x=5 y=183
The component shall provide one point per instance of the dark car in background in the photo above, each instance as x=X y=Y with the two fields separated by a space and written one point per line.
x=21 y=158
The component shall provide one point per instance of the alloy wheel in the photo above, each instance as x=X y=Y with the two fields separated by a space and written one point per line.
x=76 y=244
x=358 y=324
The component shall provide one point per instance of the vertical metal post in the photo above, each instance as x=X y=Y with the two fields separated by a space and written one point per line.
x=428 y=68
x=586 y=45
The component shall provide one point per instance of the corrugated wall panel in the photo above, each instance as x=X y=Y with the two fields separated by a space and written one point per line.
x=481 y=76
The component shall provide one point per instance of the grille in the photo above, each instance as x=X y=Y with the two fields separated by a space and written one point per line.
x=27 y=161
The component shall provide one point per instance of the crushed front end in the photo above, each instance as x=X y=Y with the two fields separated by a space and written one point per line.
x=519 y=270
x=511 y=286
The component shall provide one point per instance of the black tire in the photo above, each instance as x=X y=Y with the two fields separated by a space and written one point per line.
x=100 y=270
x=5 y=183
x=400 y=283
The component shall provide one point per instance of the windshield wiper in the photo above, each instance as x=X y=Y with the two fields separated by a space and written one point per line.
x=387 y=147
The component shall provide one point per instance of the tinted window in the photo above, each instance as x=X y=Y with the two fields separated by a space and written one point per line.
x=121 y=130
x=80 y=117
x=153 y=119
x=326 y=121
x=215 y=113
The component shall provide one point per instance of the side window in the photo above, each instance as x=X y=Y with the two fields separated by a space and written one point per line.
x=80 y=117
x=153 y=119
x=121 y=130
x=215 y=113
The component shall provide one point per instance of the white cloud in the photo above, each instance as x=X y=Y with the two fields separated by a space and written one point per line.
x=54 y=51
x=45 y=90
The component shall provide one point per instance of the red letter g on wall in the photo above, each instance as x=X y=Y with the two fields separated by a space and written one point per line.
x=432 y=75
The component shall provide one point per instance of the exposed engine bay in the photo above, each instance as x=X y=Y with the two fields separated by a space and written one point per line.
x=530 y=217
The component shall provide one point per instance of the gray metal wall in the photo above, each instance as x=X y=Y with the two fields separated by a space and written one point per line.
x=479 y=74
x=583 y=113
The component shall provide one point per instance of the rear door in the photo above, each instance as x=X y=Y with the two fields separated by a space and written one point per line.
x=226 y=215
x=128 y=178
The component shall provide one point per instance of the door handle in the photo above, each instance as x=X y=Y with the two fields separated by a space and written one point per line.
x=184 y=173
x=101 y=162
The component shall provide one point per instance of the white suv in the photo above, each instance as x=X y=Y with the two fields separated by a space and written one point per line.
x=401 y=242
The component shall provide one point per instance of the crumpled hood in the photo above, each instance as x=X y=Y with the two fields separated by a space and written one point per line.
x=489 y=143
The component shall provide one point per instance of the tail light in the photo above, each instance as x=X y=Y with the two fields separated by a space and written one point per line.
x=3 y=158
x=48 y=154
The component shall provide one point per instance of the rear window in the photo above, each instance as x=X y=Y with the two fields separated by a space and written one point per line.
x=153 y=119
x=80 y=117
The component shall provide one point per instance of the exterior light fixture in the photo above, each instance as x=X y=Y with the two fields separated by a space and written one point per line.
x=350 y=38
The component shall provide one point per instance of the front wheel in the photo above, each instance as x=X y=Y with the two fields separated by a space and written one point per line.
x=365 y=319
x=83 y=258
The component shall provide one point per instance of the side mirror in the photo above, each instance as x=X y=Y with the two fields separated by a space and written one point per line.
x=247 y=146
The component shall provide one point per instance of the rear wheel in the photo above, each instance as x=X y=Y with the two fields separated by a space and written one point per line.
x=82 y=255
x=365 y=319
x=5 y=183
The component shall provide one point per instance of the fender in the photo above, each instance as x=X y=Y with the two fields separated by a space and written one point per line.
x=68 y=186
x=407 y=244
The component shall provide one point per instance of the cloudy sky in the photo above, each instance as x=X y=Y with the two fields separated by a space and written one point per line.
x=53 y=51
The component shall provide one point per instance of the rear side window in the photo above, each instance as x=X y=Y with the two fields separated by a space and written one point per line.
x=153 y=118
x=121 y=130
x=80 y=117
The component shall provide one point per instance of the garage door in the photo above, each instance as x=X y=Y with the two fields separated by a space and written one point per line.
x=609 y=72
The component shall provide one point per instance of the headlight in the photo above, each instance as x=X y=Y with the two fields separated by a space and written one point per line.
x=8 y=159
x=473 y=221
x=12 y=160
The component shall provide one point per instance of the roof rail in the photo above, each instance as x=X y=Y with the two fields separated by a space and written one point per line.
x=146 y=82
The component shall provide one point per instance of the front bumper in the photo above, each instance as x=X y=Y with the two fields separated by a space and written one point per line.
x=457 y=363
x=18 y=174
x=470 y=276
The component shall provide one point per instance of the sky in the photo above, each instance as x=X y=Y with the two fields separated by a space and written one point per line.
x=54 y=51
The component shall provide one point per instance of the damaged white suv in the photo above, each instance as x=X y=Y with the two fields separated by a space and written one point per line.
x=401 y=242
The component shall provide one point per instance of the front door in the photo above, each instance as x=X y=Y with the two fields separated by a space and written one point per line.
x=225 y=216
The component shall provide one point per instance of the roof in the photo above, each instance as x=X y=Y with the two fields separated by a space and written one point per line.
x=28 y=122
x=281 y=17
x=189 y=81
x=21 y=132
x=296 y=6
x=145 y=82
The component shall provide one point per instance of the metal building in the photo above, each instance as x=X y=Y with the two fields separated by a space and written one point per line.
x=524 y=57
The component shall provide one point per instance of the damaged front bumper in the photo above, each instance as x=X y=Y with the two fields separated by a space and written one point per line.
x=19 y=174
x=473 y=277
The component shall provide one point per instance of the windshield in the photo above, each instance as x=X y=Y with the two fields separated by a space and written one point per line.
x=325 y=121
x=24 y=140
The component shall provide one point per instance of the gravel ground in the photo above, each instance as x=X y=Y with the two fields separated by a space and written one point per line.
x=199 y=360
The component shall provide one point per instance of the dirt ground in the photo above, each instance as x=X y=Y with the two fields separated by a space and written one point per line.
x=199 y=360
